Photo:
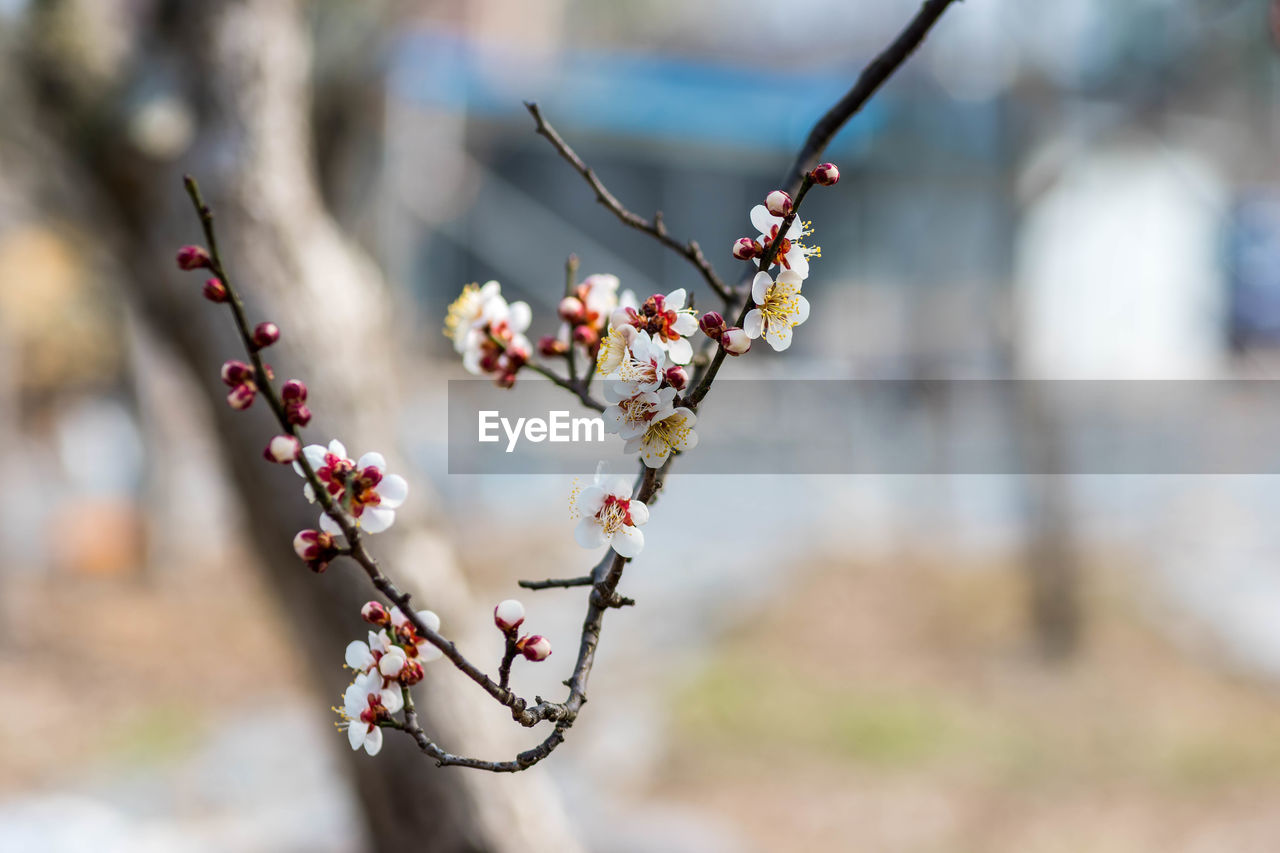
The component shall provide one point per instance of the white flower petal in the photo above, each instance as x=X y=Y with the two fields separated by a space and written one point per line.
x=308 y=493
x=589 y=533
x=799 y=263
x=778 y=336
x=760 y=287
x=675 y=299
x=685 y=324
x=619 y=486
x=355 y=733
x=393 y=490
x=374 y=459
x=590 y=499
x=358 y=655
x=377 y=519
x=763 y=220
x=338 y=448
x=392 y=699
x=328 y=525
x=373 y=741
x=639 y=513
x=802 y=311
x=628 y=541
x=520 y=316
x=430 y=619
x=753 y=324
x=680 y=351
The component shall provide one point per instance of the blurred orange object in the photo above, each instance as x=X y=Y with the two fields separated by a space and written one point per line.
x=100 y=537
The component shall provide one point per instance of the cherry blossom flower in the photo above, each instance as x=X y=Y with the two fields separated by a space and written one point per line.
x=416 y=645
x=599 y=296
x=643 y=366
x=489 y=332
x=779 y=308
x=667 y=322
x=614 y=347
x=608 y=515
x=672 y=432
x=364 y=704
x=630 y=415
x=364 y=656
x=793 y=255
x=363 y=487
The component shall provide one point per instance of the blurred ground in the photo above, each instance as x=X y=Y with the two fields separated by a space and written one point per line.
x=878 y=704
x=888 y=707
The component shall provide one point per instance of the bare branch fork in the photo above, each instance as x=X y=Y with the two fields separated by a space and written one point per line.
x=604 y=578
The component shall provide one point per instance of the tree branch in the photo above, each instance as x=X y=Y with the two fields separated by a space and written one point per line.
x=656 y=229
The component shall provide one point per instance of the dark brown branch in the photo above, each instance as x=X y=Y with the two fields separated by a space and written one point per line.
x=656 y=229
x=872 y=77
x=558 y=583
x=578 y=389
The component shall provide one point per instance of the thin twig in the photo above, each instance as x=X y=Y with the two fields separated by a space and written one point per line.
x=656 y=229
x=558 y=583
x=578 y=389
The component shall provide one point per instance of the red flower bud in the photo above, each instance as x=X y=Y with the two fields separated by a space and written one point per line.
x=236 y=373
x=571 y=310
x=745 y=249
x=316 y=548
x=215 y=290
x=677 y=378
x=778 y=203
x=293 y=391
x=241 y=396
x=265 y=335
x=551 y=346
x=505 y=380
x=283 y=449
x=535 y=647
x=712 y=325
x=298 y=415
x=411 y=673
x=193 y=258
x=375 y=614
x=508 y=615
x=586 y=336
x=826 y=175
x=735 y=341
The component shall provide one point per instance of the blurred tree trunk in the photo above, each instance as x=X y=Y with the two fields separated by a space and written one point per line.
x=240 y=70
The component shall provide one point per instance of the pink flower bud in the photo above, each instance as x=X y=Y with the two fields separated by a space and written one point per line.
x=586 y=336
x=298 y=415
x=193 y=258
x=293 y=391
x=778 y=203
x=508 y=615
x=712 y=325
x=572 y=310
x=826 y=175
x=735 y=341
x=265 y=334
x=241 y=396
x=411 y=673
x=676 y=377
x=282 y=449
x=215 y=290
x=236 y=373
x=505 y=380
x=535 y=647
x=551 y=346
x=745 y=249
x=375 y=614
x=316 y=548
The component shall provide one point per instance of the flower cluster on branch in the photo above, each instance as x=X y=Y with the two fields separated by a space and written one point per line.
x=642 y=357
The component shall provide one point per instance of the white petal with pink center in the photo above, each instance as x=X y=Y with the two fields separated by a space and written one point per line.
x=468 y=311
x=793 y=254
x=363 y=487
x=427 y=651
x=362 y=656
x=608 y=515
x=779 y=308
x=613 y=349
x=360 y=715
x=642 y=367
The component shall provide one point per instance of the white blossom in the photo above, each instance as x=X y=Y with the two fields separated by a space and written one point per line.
x=779 y=308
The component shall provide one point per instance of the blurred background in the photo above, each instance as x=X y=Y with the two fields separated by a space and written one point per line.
x=1084 y=189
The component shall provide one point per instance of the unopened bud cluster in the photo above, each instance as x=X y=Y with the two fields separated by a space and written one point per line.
x=508 y=616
